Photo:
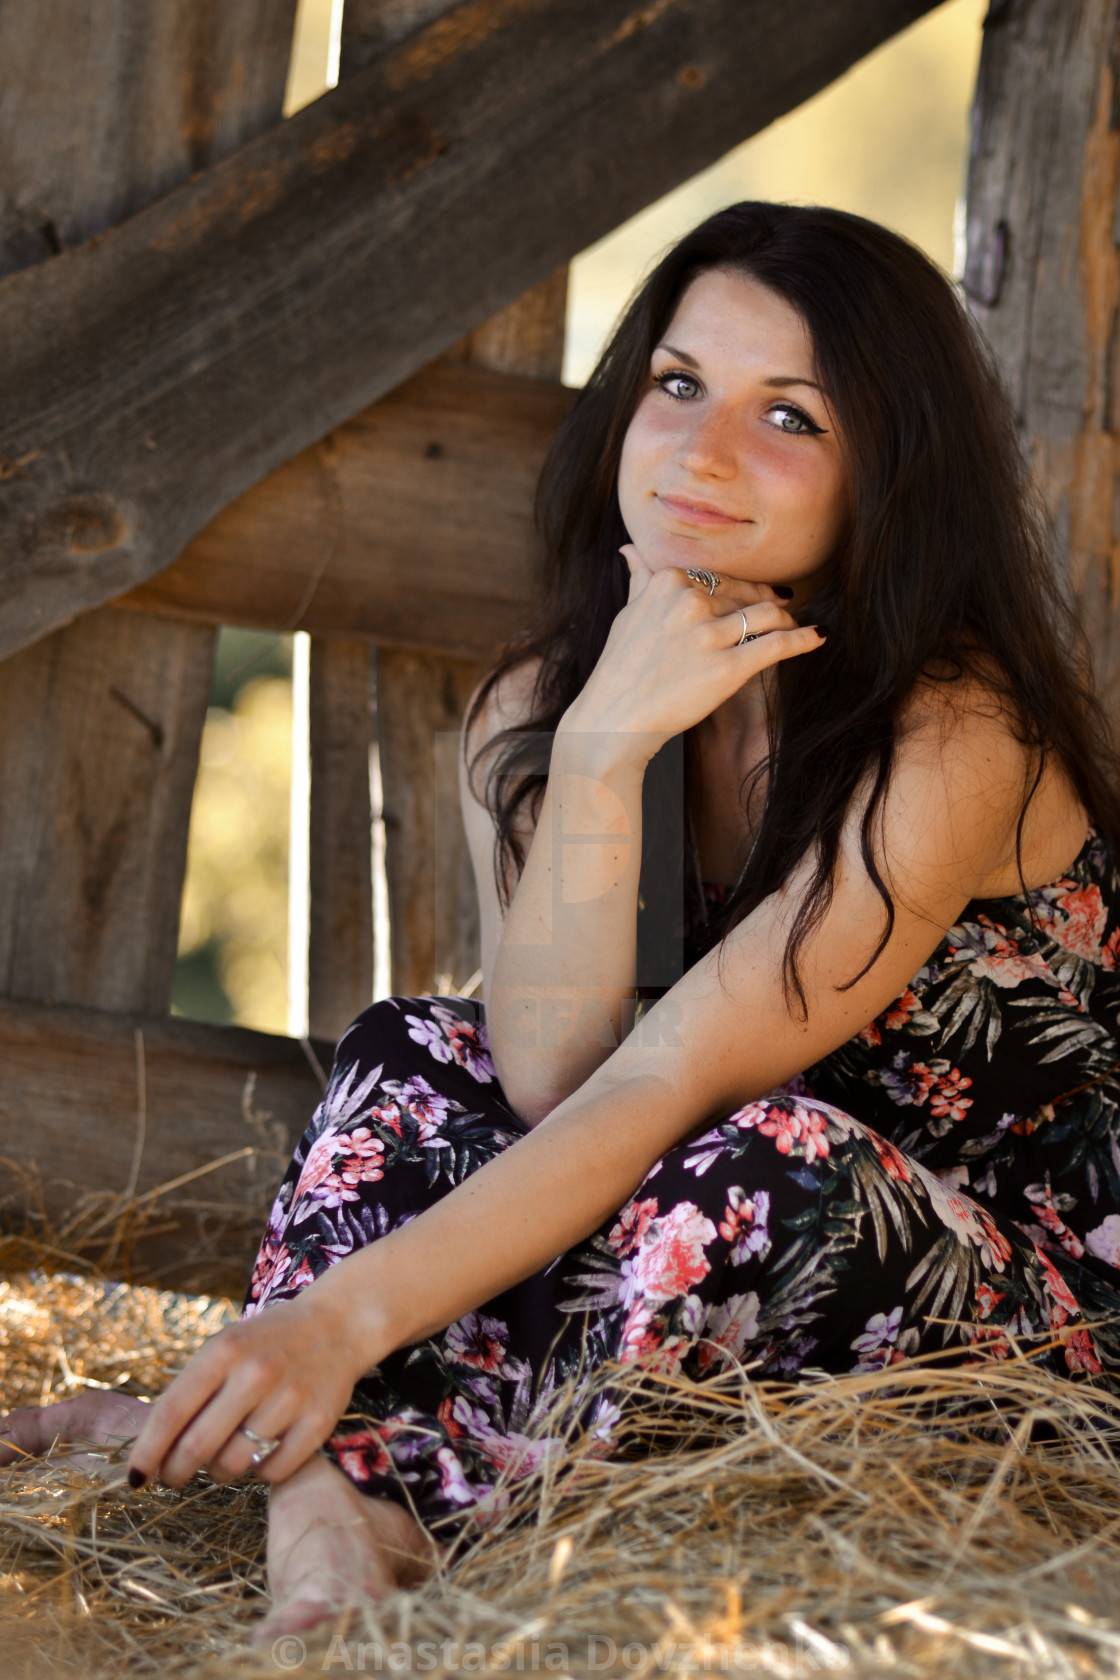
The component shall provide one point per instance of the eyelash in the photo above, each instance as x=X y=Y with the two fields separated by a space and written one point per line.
x=810 y=427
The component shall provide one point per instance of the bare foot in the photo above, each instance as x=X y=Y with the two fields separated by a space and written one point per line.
x=328 y=1545
x=95 y=1418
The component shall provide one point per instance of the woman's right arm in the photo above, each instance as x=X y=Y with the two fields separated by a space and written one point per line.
x=559 y=965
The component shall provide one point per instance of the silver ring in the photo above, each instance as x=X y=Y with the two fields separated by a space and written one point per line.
x=746 y=636
x=700 y=574
x=266 y=1445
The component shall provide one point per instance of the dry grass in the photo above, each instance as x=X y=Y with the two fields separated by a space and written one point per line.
x=900 y=1523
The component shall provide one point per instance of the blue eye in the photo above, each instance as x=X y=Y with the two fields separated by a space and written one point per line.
x=675 y=378
x=793 y=420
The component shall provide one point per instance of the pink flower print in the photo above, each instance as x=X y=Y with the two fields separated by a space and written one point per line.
x=271 y=1261
x=745 y=1225
x=640 y=1337
x=900 y=1011
x=339 y=1162
x=361 y=1454
x=730 y=1325
x=870 y=1035
x=988 y=1299
x=994 y=957
x=1063 y=1305
x=1051 y=1220
x=425 y=1104
x=946 y=1100
x=907 y=1083
x=892 y=1160
x=995 y=1250
x=632 y=1224
x=1074 y=917
x=1081 y=1352
x=799 y=1128
x=471 y=1051
x=1110 y=951
x=481 y=1342
x=670 y=1257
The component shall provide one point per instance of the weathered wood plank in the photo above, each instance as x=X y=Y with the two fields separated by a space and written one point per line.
x=433 y=901
x=107 y=105
x=340 y=952
x=98 y=749
x=411 y=525
x=93 y=1102
x=102 y=720
x=1043 y=273
x=156 y=372
x=420 y=702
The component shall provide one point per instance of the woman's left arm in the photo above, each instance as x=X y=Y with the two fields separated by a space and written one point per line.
x=722 y=1036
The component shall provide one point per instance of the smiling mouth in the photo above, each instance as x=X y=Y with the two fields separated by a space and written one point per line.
x=698 y=513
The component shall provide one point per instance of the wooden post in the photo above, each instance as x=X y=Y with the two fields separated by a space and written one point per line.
x=1043 y=273
x=420 y=702
x=101 y=721
x=340 y=954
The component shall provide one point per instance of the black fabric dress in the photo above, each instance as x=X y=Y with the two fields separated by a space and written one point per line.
x=950 y=1177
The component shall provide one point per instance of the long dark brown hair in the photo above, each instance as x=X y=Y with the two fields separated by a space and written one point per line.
x=944 y=569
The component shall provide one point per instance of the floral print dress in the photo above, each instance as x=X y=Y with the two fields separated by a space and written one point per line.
x=948 y=1179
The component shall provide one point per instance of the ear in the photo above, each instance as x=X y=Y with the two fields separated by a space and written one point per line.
x=640 y=573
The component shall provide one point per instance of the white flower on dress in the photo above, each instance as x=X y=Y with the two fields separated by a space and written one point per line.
x=1104 y=1239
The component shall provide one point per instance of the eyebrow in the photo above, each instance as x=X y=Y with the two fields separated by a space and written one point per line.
x=778 y=383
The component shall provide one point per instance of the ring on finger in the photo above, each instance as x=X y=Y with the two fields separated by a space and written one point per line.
x=746 y=636
x=265 y=1445
x=700 y=574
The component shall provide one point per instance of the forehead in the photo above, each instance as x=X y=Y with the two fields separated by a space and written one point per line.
x=730 y=315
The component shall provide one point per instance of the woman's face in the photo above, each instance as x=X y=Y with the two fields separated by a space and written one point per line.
x=732 y=459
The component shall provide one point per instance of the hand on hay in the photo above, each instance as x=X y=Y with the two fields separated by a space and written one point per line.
x=93 y=1418
x=286 y=1375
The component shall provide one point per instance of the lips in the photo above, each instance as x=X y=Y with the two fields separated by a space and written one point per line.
x=697 y=512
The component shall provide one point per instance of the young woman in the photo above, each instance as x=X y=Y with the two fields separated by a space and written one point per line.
x=801 y=755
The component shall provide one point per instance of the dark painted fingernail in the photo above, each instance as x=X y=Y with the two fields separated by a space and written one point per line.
x=783 y=591
x=822 y=631
x=136 y=1478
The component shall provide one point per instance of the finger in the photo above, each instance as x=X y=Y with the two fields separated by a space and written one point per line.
x=775 y=645
x=757 y=620
x=209 y=1432
x=176 y=1407
x=640 y=573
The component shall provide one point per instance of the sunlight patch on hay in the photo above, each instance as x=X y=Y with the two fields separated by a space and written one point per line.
x=920 y=1520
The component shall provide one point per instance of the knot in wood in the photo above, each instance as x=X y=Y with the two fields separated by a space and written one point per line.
x=86 y=524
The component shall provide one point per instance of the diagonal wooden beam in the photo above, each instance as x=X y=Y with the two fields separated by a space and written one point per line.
x=154 y=373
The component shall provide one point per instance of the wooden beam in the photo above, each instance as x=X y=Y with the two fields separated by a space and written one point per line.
x=411 y=525
x=1043 y=274
x=95 y=1105
x=340 y=951
x=102 y=720
x=156 y=372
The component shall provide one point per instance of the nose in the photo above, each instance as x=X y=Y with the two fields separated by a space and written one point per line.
x=709 y=448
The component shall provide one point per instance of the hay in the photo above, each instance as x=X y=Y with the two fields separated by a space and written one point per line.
x=902 y=1522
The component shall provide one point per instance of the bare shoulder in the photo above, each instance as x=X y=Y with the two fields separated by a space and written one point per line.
x=508 y=703
x=965 y=773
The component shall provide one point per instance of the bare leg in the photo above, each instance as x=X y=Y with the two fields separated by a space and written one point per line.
x=328 y=1545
